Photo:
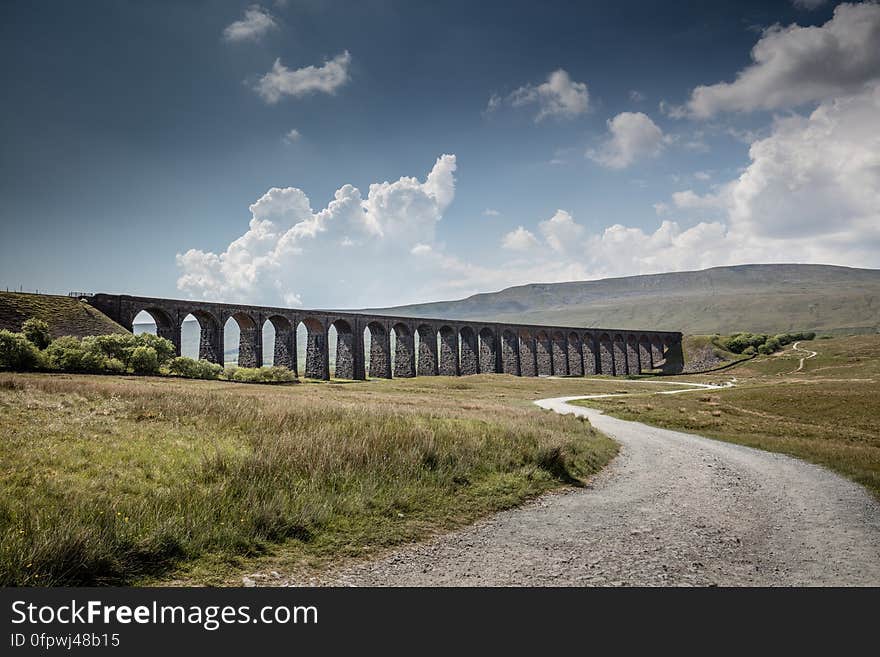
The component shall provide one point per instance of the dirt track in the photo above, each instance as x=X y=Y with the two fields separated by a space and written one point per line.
x=672 y=509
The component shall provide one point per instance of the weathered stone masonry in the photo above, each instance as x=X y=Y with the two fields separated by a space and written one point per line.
x=446 y=347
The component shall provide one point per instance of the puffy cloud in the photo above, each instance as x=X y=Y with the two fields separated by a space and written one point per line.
x=489 y=212
x=815 y=176
x=809 y=5
x=559 y=96
x=561 y=232
x=690 y=200
x=795 y=65
x=633 y=136
x=292 y=135
x=288 y=249
x=519 y=240
x=281 y=81
x=255 y=24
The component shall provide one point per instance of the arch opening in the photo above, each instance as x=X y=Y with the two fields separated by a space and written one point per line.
x=159 y=322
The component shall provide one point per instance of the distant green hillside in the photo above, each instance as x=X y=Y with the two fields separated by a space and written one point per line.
x=758 y=298
x=64 y=315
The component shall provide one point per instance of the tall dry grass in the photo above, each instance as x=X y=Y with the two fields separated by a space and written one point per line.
x=113 y=481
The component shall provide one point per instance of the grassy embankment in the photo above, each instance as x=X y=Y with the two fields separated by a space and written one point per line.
x=827 y=413
x=65 y=315
x=117 y=480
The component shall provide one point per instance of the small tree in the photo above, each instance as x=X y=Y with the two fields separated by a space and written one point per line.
x=144 y=360
x=37 y=332
x=17 y=352
x=163 y=347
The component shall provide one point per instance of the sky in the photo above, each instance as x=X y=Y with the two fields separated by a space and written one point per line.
x=364 y=154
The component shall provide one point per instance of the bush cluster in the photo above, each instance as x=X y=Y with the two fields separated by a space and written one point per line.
x=259 y=374
x=761 y=343
x=118 y=353
x=194 y=369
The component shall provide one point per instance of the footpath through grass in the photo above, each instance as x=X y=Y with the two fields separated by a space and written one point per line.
x=121 y=480
x=828 y=413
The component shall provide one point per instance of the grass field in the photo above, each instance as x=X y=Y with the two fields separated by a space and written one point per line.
x=828 y=413
x=120 y=480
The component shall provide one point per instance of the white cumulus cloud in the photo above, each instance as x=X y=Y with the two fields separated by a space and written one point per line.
x=256 y=23
x=282 y=81
x=519 y=240
x=289 y=249
x=632 y=136
x=559 y=96
x=795 y=65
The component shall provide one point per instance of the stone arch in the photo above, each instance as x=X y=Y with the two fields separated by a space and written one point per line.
x=448 y=364
x=543 y=354
x=284 y=342
x=633 y=364
x=657 y=355
x=250 y=339
x=575 y=356
x=559 y=346
x=620 y=367
x=380 y=351
x=527 y=364
x=606 y=355
x=317 y=351
x=590 y=353
x=645 y=357
x=210 y=343
x=510 y=353
x=347 y=356
x=404 y=351
x=468 y=351
x=166 y=325
x=427 y=352
x=488 y=351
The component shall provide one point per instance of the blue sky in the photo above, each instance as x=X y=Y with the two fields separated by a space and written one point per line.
x=582 y=140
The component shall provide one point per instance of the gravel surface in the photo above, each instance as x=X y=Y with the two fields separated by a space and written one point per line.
x=671 y=509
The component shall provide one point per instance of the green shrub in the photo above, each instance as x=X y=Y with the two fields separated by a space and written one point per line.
x=750 y=351
x=194 y=369
x=17 y=352
x=115 y=345
x=37 y=332
x=71 y=354
x=144 y=360
x=163 y=347
x=262 y=375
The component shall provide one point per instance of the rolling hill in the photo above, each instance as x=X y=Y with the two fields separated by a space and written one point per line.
x=759 y=298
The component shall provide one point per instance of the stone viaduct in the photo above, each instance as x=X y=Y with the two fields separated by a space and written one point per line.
x=423 y=347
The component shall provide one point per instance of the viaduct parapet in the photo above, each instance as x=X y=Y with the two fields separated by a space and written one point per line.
x=422 y=347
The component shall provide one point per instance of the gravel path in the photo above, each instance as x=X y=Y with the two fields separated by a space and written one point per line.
x=671 y=509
